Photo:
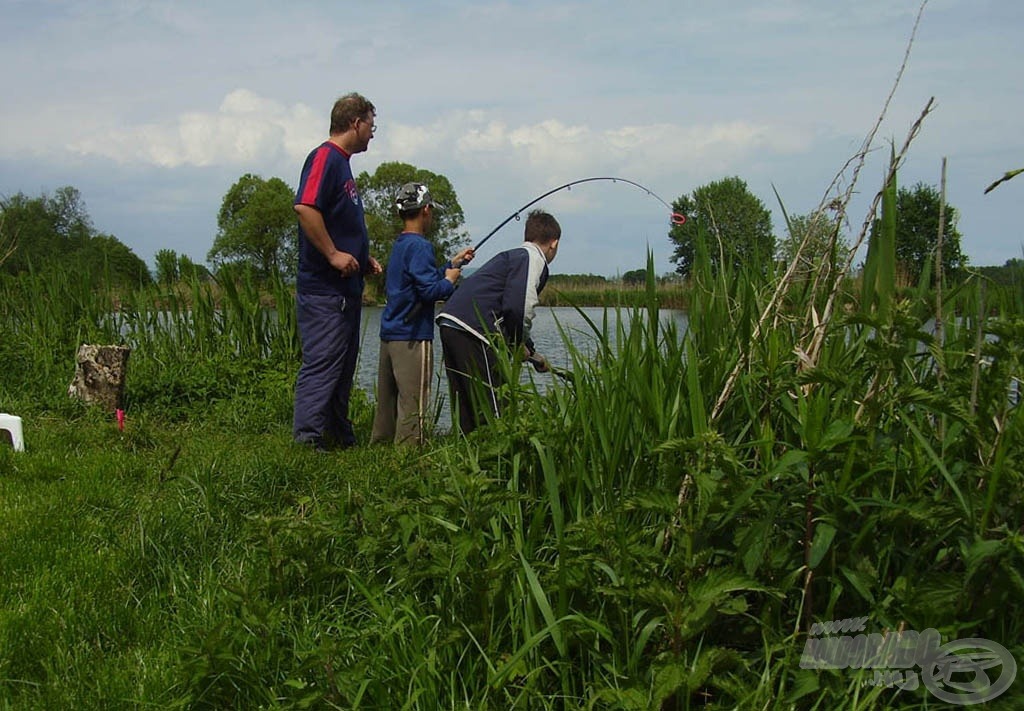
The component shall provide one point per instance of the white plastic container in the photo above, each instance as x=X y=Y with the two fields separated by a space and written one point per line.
x=12 y=424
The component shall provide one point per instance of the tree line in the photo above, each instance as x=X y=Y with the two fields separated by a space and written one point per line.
x=729 y=222
x=733 y=227
x=38 y=234
x=726 y=224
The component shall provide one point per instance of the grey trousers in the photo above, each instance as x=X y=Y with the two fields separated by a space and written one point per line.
x=404 y=371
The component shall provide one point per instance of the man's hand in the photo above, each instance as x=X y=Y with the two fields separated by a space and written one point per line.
x=344 y=263
x=375 y=267
x=464 y=257
x=312 y=223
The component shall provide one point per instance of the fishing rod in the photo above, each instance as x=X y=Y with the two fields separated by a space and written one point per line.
x=677 y=218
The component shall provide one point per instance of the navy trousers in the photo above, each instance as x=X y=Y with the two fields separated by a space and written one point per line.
x=329 y=331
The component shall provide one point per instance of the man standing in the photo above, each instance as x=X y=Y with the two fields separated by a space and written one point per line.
x=413 y=284
x=334 y=254
x=496 y=301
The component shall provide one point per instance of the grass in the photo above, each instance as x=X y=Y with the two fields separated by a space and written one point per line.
x=128 y=554
x=670 y=296
x=618 y=543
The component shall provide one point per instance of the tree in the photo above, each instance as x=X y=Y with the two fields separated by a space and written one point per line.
x=256 y=226
x=1010 y=274
x=70 y=218
x=31 y=228
x=635 y=277
x=106 y=255
x=917 y=232
x=818 y=230
x=190 y=271
x=167 y=266
x=734 y=222
x=53 y=232
x=378 y=192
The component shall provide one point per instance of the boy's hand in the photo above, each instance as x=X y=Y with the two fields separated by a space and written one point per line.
x=539 y=362
x=464 y=257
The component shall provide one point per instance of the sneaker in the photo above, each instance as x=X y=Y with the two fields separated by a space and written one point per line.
x=316 y=444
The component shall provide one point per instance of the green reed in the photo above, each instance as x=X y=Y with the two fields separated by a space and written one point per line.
x=665 y=544
x=193 y=342
x=651 y=533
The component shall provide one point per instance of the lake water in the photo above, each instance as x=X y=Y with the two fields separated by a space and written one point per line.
x=546 y=337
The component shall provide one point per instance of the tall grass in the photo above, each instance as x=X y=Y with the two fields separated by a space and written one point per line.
x=659 y=531
x=193 y=344
x=614 y=543
x=676 y=549
x=670 y=296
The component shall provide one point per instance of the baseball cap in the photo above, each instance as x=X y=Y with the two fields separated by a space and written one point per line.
x=413 y=196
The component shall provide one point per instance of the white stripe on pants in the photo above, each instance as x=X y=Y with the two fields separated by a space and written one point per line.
x=404 y=371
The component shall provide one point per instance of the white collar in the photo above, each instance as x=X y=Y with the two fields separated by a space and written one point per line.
x=536 y=247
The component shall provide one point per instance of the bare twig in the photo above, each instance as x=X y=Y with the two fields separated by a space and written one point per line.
x=1007 y=176
x=939 y=270
x=718 y=235
x=8 y=242
x=826 y=316
x=940 y=333
x=839 y=204
x=979 y=338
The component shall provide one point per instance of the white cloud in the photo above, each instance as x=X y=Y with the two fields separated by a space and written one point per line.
x=245 y=129
x=254 y=132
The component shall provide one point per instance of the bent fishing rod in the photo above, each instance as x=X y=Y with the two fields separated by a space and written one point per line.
x=677 y=218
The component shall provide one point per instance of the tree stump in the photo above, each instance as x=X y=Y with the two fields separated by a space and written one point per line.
x=99 y=375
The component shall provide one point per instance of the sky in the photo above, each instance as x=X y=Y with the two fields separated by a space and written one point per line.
x=152 y=110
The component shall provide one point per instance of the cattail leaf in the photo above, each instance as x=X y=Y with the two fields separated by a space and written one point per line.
x=541 y=598
x=645 y=635
x=859 y=582
x=823 y=535
x=753 y=542
x=940 y=465
x=806 y=682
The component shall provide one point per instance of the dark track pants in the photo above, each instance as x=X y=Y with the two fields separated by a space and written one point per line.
x=329 y=331
x=473 y=377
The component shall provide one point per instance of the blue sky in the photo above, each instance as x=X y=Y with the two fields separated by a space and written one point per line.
x=153 y=109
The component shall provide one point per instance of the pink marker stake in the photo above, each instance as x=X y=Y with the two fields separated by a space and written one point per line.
x=120 y=420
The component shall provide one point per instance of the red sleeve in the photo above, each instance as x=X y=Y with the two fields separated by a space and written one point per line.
x=309 y=191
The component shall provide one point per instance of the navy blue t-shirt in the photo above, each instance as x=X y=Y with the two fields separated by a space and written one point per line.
x=327 y=184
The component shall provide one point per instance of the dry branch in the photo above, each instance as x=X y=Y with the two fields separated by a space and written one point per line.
x=773 y=309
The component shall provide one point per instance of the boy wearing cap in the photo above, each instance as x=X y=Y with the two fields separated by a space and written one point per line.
x=413 y=283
